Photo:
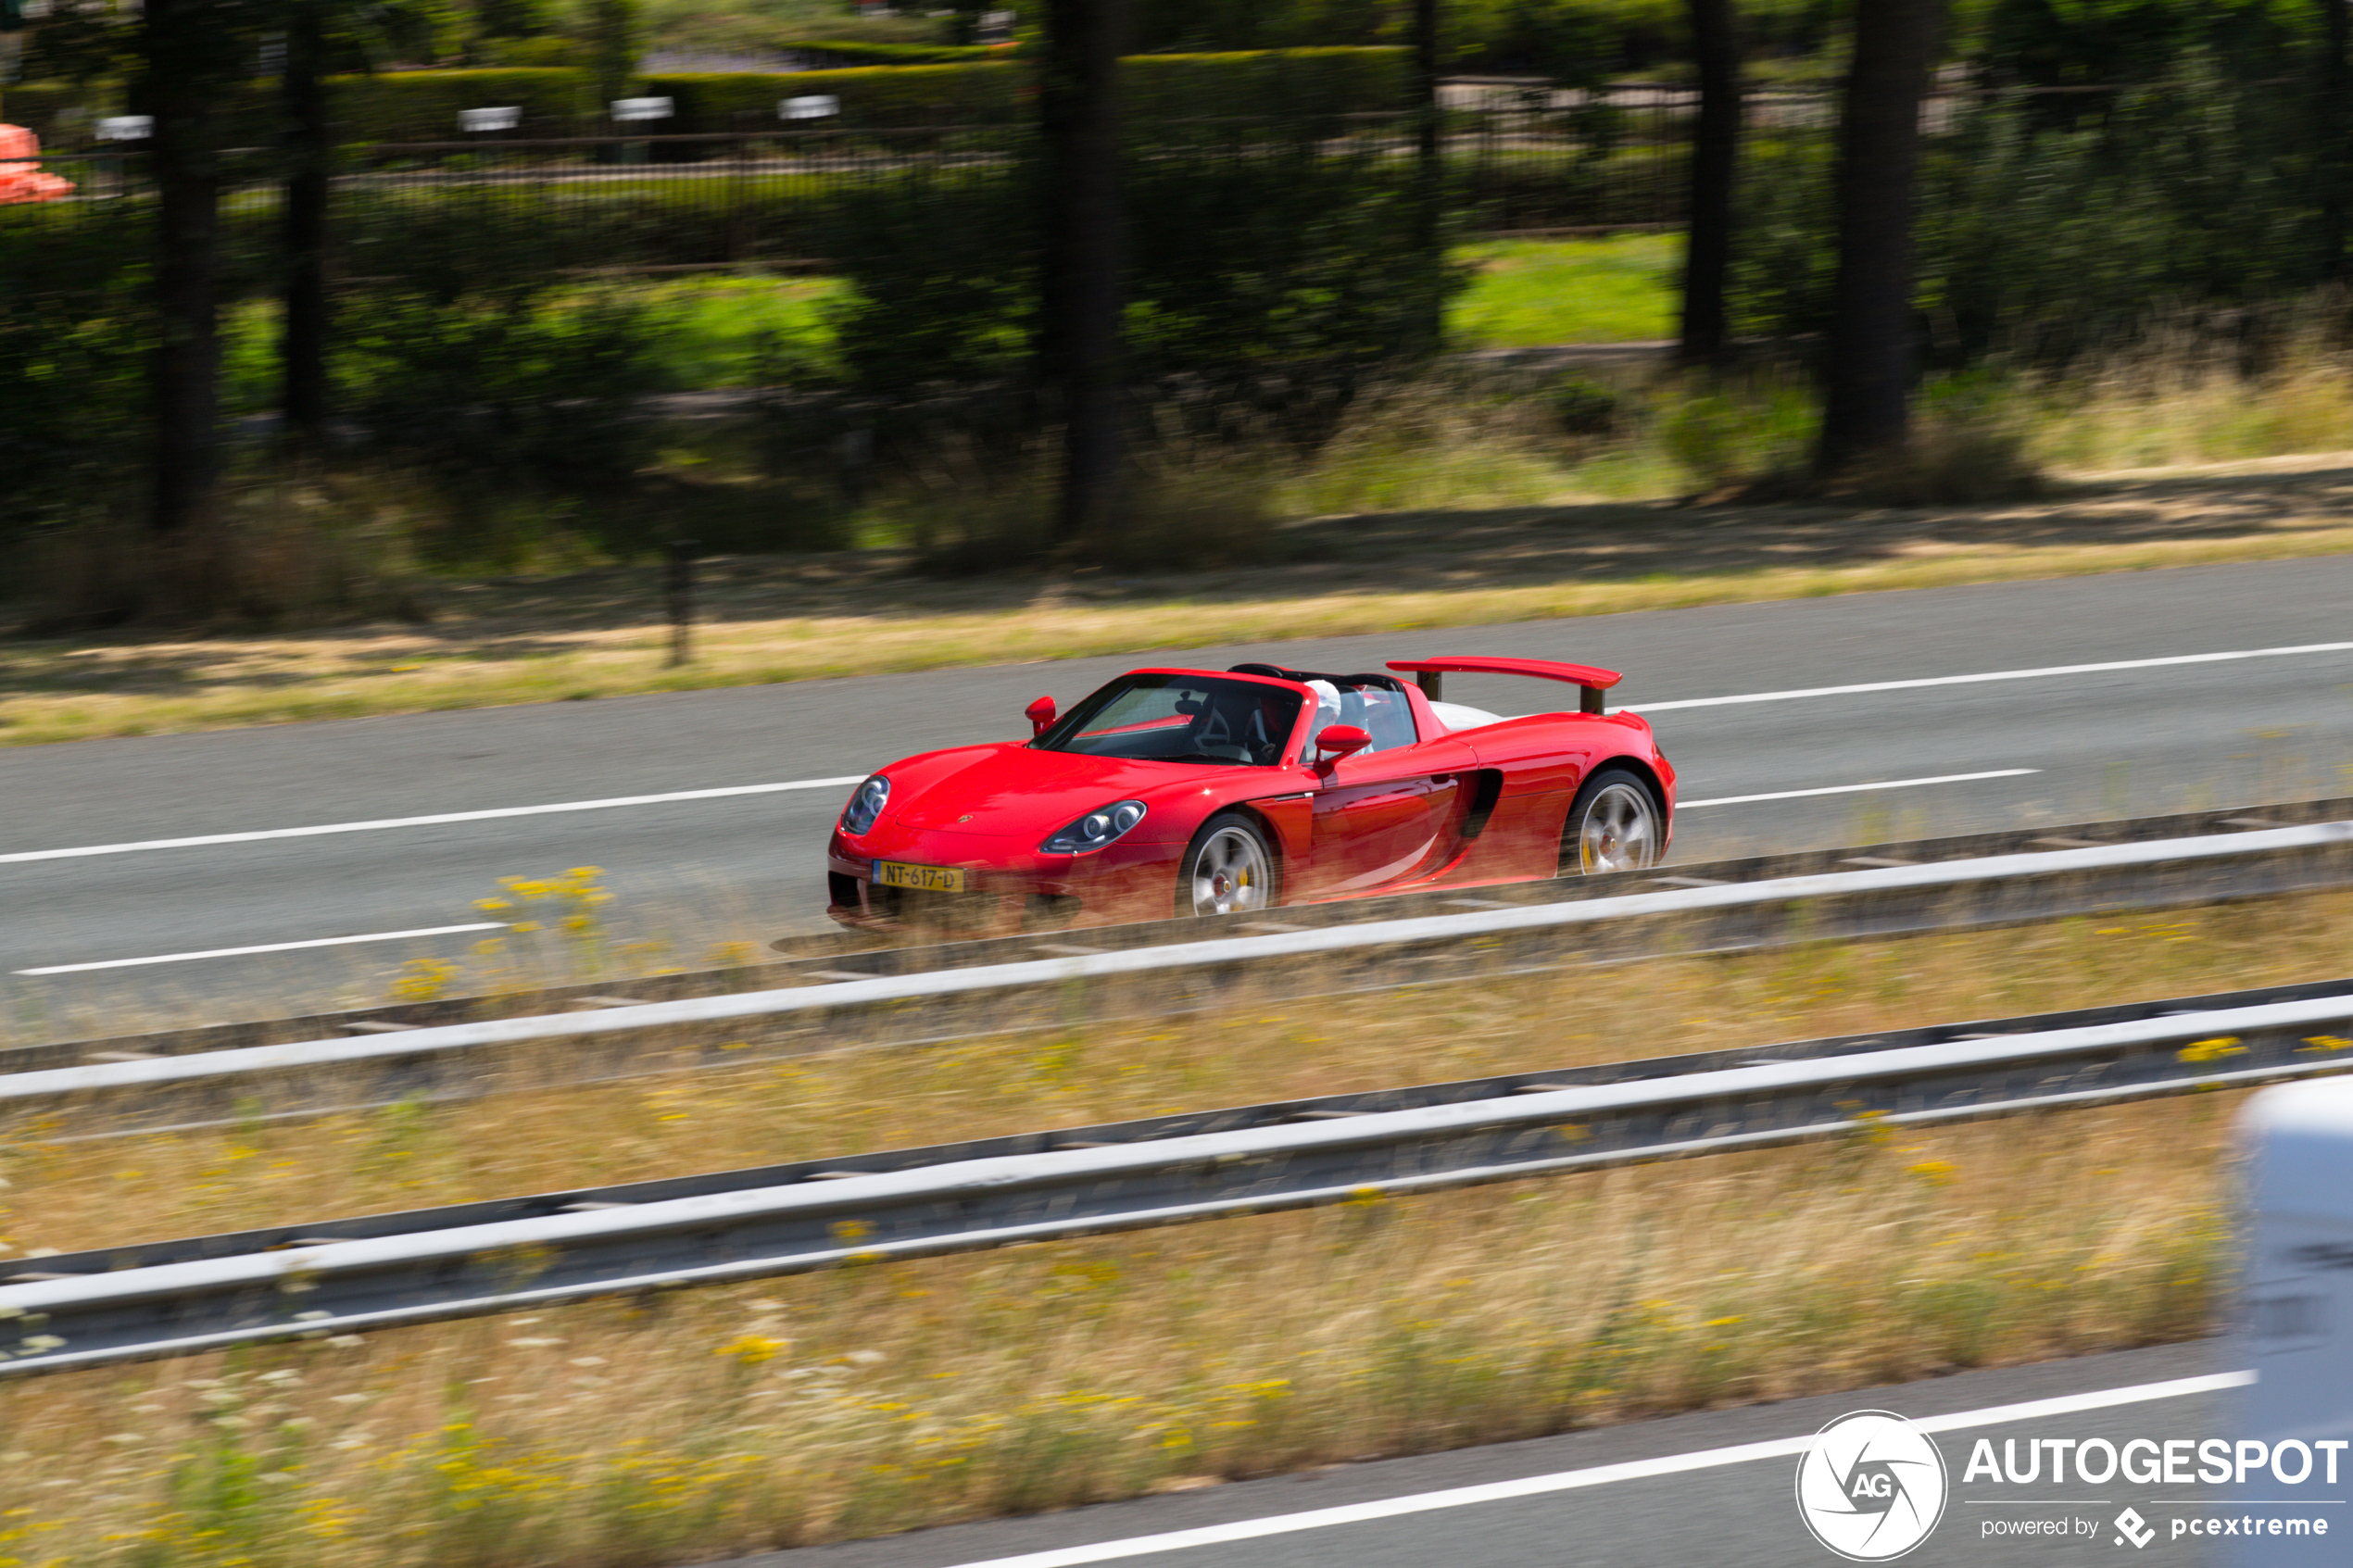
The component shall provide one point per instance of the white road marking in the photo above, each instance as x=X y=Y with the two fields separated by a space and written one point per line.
x=1853 y=789
x=202 y=840
x=1988 y=675
x=269 y=947
x=1598 y=1475
x=435 y=821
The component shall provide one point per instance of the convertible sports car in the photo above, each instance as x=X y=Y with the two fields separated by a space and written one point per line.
x=1211 y=792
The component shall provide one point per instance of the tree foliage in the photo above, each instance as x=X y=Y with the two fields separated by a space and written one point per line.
x=2042 y=240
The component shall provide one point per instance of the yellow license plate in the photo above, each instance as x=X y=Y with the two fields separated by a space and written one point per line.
x=930 y=879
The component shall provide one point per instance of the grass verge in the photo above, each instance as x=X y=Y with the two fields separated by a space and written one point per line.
x=599 y=632
x=871 y=1399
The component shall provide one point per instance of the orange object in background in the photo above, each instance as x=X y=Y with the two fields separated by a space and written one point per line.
x=23 y=181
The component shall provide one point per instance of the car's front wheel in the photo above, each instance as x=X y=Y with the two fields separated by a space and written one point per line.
x=1228 y=869
x=1614 y=826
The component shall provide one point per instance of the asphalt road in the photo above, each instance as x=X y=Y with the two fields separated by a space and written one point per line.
x=2107 y=743
x=1672 y=1496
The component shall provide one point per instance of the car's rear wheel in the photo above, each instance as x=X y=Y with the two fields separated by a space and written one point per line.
x=1228 y=869
x=1613 y=826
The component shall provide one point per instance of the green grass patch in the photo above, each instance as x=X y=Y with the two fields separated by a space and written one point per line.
x=710 y=332
x=1529 y=294
x=722 y=332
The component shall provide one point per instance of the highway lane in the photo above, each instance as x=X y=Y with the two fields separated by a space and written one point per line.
x=694 y=871
x=1659 y=1494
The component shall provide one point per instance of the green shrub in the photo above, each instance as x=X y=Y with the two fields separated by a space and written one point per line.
x=451 y=240
x=1508 y=188
x=75 y=334
x=1289 y=265
x=497 y=393
x=942 y=269
x=1293 y=256
x=1581 y=406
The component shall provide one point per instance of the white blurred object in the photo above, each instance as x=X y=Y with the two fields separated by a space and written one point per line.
x=996 y=27
x=1327 y=714
x=2296 y=1304
x=126 y=128
x=643 y=109
x=1461 y=716
x=505 y=117
x=817 y=105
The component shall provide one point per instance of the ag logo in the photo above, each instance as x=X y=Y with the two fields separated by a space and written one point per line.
x=1872 y=1487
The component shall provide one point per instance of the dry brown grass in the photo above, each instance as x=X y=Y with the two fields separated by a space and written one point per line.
x=600 y=633
x=879 y=1397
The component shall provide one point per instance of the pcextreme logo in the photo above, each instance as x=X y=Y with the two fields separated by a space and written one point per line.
x=1871 y=1487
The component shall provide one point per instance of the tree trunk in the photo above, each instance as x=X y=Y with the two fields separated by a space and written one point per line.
x=309 y=150
x=187 y=179
x=1080 y=271
x=614 y=27
x=1429 y=194
x=2333 y=157
x=1715 y=152
x=1865 y=408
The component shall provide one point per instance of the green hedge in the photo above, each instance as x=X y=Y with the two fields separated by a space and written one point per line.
x=895 y=54
x=548 y=51
x=1287 y=83
x=989 y=94
x=421 y=106
x=424 y=105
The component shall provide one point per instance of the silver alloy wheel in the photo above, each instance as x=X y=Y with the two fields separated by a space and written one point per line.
x=1619 y=830
x=1231 y=873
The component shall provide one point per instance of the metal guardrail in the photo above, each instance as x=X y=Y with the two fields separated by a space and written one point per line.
x=176 y=1298
x=339 y=1072
x=821 y=958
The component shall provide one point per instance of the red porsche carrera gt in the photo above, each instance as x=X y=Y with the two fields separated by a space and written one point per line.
x=1213 y=793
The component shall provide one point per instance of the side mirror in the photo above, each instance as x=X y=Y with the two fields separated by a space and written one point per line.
x=1340 y=740
x=1041 y=715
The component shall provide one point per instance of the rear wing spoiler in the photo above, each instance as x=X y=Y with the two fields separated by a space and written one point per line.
x=1430 y=673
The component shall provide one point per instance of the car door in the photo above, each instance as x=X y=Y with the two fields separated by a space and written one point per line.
x=1387 y=817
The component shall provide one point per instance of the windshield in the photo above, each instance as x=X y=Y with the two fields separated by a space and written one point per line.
x=1181 y=718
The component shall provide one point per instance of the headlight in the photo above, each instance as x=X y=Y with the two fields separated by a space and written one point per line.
x=1095 y=829
x=866 y=805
